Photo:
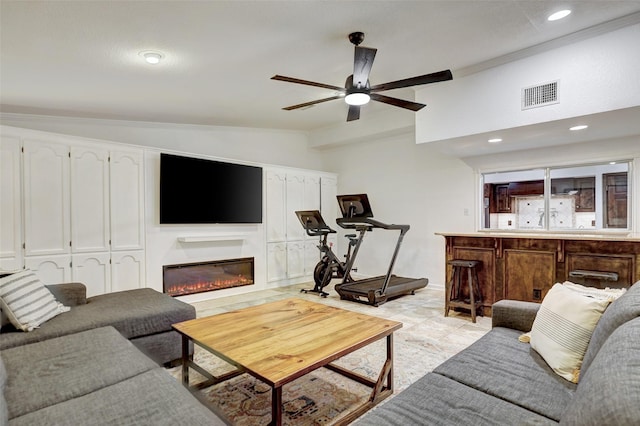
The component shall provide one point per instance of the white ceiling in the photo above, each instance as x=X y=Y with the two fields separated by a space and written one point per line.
x=80 y=58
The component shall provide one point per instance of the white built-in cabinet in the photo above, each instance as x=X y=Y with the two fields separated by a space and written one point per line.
x=74 y=211
x=11 y=256
x=291 y=253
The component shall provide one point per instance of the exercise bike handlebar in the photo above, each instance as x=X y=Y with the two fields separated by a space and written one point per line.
x=319 y=232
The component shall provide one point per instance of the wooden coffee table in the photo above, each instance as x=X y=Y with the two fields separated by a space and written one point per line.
x=281 y=341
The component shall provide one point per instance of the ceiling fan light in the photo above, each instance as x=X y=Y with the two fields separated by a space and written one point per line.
x=357 y=98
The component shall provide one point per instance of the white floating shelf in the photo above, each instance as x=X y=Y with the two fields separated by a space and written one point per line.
x=206 y=238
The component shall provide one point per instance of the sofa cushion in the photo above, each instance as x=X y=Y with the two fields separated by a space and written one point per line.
x=438 y=400
x=609 y=392
x=26 y=301
x=620 y=311
x=4 y=413
x=139 y=312
x=56 y=370
x=151 y=398
x=506 y=368
x=134 y=313
x=563 y=326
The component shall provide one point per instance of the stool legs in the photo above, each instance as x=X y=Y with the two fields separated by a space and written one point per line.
x=453 y=290
x=471 y=291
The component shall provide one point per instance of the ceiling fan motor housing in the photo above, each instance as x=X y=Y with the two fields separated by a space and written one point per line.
x=356 y=37
x=351 y=88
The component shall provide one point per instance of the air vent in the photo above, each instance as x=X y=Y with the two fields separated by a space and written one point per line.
x=541 y=95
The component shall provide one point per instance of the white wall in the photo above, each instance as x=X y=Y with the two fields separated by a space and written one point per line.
x=406 y=184
x=595 y=75
x=266 y=146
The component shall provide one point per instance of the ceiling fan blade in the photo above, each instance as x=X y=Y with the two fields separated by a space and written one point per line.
x=307 y=82
x=292 y=107
x=413 y=106
x=362 y=63
x=414 y=81
x=354 y=113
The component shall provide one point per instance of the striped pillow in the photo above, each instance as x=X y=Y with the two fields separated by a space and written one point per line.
x=26 y=301
x=563 y=326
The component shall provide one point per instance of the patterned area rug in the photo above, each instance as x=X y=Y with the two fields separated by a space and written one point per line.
x=321 y=397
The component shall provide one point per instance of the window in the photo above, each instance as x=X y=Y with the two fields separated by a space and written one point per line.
x=590 y=197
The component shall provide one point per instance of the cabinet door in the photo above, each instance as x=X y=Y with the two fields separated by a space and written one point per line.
x=295 y=259
x=89 y=200
x=276 y=261
x=10 y=207
x=127 y=270
x=50 y=269
x=311 y=256
x=528 y=275
x=46 y=198
x=295 y=202
x=275 y=188
x=311 y=196
x=93 y=270
x=503 y=200
x=127 y=200
x=328 y=201
x=615 y=199
x=312 y=192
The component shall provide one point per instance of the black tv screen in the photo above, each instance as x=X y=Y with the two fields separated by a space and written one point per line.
x=195 y=190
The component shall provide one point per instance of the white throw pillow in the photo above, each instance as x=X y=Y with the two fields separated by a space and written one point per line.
x=563 y=326
x=26 y=301
x=610 y=294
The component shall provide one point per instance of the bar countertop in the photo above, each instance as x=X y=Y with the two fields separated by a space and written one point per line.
x=592 y=236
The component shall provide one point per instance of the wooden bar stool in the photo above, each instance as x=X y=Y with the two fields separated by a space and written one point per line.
x=453 y=292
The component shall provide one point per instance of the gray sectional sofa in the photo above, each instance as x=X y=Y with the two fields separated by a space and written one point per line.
x=100 y=363
x=143 y=316
x=501 y=381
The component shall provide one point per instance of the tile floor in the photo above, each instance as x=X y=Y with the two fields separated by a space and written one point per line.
x=426 y=339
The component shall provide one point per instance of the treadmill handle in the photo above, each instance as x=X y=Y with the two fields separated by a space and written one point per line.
x=352 y=223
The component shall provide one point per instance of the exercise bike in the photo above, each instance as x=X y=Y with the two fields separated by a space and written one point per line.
x=329 y=266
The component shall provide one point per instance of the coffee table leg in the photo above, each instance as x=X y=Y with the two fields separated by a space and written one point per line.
x=276 y=406
x=390 y=361
x=185 y=361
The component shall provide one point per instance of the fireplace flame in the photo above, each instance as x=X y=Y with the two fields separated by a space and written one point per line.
x=202 y=286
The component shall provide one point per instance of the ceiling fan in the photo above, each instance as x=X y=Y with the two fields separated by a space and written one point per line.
x=357 y=91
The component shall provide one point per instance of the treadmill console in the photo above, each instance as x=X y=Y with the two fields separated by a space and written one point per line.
x=354 y=206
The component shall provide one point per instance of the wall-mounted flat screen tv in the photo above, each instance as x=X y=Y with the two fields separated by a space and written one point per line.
x=196 y=190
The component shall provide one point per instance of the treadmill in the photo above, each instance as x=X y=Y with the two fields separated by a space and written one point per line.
x=357 y=215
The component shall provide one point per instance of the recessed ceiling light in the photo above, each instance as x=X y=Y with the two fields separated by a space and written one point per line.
x=612 y=162
x=151 y=57
x=580 y=127
x=494 y=140
x=559 y=15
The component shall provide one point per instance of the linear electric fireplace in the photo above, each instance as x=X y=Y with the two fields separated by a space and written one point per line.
x=190 y=278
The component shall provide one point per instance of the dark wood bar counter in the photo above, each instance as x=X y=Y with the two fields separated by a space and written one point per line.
x=525 y=266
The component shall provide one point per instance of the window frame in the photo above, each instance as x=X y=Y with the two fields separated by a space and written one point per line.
x=484 y=223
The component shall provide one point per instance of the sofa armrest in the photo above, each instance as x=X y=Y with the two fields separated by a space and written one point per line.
x=69 y=294
x=514 y=314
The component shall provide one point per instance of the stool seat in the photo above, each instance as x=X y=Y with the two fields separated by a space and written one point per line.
x=453 y=291
x=464 y=263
